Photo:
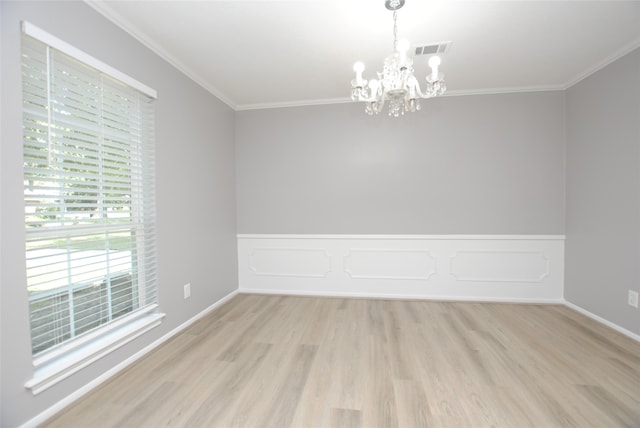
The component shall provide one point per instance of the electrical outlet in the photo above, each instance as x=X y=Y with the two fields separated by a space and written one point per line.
x=187 y=291
x=633 y=298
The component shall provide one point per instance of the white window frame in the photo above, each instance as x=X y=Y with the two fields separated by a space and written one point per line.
x=53 y=366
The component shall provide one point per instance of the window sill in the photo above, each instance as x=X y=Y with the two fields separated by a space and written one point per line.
x=52 y=369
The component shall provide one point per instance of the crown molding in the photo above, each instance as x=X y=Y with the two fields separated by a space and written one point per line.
x=505 y=90
x=347 y=100
x=392 y=237
x=302 y=103
x=602 y=64
x=103 y=9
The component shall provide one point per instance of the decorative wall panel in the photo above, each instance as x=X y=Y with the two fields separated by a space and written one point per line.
x=300 y=262
x=499 y=266
x=445 y=267
x=389 y=264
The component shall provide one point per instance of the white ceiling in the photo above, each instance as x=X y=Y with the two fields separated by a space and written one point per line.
x=267 y=53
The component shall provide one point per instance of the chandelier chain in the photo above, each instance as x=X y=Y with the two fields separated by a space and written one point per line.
x=395 y=30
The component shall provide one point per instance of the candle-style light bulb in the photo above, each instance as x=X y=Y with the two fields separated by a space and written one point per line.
x=358 y=67
x=434 y=62
x=403 y=48
x=374 y=84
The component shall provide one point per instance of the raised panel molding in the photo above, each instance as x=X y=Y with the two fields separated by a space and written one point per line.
x=515 y=266
x=456 y=267
x=361 y=263
x=294 y=262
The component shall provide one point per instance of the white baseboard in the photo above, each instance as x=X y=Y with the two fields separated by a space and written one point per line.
x=79 y=393
x=441 y=298
x=438 y=267
x=601 y=320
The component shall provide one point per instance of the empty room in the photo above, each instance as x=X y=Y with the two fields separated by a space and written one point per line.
x=320 y=213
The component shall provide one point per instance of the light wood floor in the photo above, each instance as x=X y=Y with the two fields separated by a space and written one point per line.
x=276 y=361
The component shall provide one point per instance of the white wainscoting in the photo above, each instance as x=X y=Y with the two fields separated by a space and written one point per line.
x=528 y=268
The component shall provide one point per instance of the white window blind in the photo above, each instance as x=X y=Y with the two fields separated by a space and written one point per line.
x=89 y=196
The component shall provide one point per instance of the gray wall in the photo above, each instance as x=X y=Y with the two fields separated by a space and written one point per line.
x=603 y=192
x=489 y=164
x=195 y=190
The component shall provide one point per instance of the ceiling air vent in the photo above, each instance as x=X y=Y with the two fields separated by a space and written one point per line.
x=433 y=48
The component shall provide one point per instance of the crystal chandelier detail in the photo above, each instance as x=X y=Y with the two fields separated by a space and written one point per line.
x=396 y=84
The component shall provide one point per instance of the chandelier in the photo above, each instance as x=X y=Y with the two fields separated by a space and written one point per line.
x=396 y=84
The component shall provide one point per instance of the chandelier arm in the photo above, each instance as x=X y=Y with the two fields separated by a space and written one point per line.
x=368 y=99
x=371 y=93
x=420 y=93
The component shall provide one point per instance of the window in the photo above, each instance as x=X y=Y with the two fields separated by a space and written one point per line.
x=89 y=195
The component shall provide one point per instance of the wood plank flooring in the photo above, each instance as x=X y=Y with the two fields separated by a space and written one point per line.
x=283 y=361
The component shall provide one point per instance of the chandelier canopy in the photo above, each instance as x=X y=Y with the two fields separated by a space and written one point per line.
x=396 y=84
